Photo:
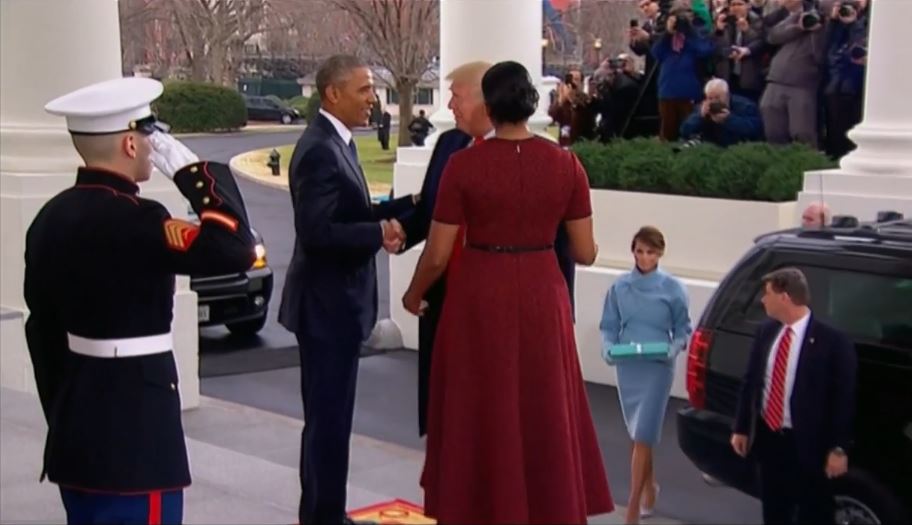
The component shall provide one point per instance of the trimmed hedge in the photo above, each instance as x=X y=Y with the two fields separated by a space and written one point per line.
x=754 y=171
x=199 y=107
x=312 y=108
x=299 y=103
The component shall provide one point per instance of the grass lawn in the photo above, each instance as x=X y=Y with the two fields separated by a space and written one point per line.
x=377 y=164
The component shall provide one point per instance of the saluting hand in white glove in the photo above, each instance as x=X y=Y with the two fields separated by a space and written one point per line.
x=169 y=155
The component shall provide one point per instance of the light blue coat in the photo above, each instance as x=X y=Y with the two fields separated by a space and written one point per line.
x=645 y=308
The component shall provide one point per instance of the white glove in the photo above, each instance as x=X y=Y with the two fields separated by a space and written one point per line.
x=169 y=155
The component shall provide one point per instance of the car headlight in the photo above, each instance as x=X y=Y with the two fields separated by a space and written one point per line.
x=260 y=251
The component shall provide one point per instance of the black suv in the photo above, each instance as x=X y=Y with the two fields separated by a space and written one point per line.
x=240 y=301
x=266 y=108
x=861 y=282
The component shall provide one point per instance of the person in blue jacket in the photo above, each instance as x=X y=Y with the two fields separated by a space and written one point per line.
x=645 y=305
x=680 y=52
x=723 y=119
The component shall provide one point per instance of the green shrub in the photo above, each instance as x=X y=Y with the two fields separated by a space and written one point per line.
x=299 y=103
x=749 y=171
x=198 y=107
x=312 y=108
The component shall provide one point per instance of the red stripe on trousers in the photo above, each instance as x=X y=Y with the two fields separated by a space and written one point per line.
x=155 y=508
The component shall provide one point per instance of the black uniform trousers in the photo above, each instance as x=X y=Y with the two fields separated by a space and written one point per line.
x=791 y=491
x=329 y=375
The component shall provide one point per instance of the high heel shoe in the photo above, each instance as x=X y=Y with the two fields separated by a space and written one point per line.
x=648 y=512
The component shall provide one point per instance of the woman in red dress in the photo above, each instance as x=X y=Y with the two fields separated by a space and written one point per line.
x=510 y=434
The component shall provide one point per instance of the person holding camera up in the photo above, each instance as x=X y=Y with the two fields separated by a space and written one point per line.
x=740 y=42
x=847 y=55
x=679 y=53
x=789 y=103
x=641 y=38
x=617 y=87
x=573 y=111
x=723 y=119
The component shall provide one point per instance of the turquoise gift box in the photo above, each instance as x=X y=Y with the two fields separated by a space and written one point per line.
x=639 y=351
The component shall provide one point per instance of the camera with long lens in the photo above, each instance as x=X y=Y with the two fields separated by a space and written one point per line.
x=847 y=9
x=810 y=19
x=857 y=52
x=716 y=108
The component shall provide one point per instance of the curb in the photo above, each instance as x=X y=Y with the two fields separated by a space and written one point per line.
x=238 y=172
x=247 y=130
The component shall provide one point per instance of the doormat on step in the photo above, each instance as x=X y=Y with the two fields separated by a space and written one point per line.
x=395 y=512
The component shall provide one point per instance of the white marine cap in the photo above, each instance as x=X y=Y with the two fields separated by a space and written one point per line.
x=112 y=106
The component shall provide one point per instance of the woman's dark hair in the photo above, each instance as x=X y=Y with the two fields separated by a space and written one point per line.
x=509 y=93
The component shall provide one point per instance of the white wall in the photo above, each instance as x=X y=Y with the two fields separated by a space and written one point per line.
x=41 y=58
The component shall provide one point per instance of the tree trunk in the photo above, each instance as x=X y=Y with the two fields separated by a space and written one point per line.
x=406 y=89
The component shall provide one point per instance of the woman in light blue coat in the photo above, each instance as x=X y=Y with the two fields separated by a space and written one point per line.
x=645 y=305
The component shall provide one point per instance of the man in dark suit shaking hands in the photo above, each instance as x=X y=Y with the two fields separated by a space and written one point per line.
x=797 y=404
x=330 y=295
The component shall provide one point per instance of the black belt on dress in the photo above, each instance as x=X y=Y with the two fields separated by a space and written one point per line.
x=510 y=249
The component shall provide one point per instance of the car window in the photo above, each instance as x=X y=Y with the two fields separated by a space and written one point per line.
x=868 y=307
x=255 y=102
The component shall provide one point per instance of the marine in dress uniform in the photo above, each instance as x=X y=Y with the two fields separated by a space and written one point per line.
x=99 y=282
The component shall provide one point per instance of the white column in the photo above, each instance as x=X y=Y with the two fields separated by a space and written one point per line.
x=51 y=47
x=878 y=175
x=491 y=30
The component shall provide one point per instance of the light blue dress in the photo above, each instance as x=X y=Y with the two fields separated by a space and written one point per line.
x=645 y=308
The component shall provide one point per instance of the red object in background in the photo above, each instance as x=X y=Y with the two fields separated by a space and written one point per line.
x=562 y=5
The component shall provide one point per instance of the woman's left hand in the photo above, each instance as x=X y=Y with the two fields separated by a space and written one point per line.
x=413 y=303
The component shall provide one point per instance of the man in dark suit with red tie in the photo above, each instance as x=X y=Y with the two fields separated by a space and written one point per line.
x=472 y=126
x=797 y=404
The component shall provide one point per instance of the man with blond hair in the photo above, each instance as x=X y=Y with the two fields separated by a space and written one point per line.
x=472 y=126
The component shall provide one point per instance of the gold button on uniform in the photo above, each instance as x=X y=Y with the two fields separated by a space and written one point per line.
x=193 y=169
x=205 y=200
x=173 y=386
x=199 y=184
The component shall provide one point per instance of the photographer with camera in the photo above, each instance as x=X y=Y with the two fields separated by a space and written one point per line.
x=572 y=111
x=847 y=55
x=740 y=41
x=789 y=103
x=641 y=38
x=617 y=87
x=723 y=119
x=680 y=53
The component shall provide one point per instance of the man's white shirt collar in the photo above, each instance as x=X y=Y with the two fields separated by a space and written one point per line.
x=341 y=128
x=800 y=327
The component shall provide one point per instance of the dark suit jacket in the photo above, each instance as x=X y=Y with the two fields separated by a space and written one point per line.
x=417 y=224
x=331 y=284
x=823 y=396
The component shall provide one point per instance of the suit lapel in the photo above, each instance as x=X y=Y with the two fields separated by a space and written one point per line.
x=808 y=347
x=354 y=170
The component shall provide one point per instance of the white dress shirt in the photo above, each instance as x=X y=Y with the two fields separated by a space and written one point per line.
x=799 y=329
x=341 y=128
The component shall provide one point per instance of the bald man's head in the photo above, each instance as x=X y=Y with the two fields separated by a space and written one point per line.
x=816 y=215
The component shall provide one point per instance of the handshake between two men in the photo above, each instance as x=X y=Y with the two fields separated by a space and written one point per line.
x=393 y=235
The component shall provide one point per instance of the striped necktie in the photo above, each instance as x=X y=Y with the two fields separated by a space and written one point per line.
x=775 y=403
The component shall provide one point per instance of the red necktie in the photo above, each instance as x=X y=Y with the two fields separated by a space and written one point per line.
x=459 y=243
x=775 y=403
